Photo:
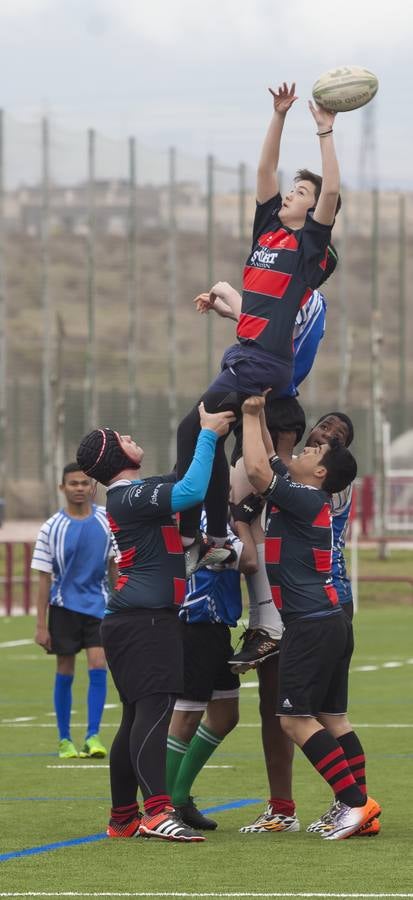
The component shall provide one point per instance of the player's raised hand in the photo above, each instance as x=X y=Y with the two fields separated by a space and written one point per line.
x=219 y=422
x=324 y=118
x=203 y=303
x=252 y=406
x=283 y=98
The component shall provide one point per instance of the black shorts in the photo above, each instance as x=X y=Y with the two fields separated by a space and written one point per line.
x=282 y=414
x=72 y=631
x=207 y=649
x=314 y=662
x=144 y=652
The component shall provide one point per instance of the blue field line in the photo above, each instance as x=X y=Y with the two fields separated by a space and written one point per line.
x=92 y=838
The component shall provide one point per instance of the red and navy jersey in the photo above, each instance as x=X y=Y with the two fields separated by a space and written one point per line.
x=282 y=270
x=150 y=554
x=298 y=550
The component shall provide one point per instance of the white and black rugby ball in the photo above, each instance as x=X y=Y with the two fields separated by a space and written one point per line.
x=345 y=88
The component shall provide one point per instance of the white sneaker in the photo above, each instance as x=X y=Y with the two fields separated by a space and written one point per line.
x=270 y=822
x=325 y=820
x=346 y=820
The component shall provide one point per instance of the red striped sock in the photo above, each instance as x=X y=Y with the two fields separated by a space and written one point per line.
x=154 y=805
x=354 y=754
x=122 y=814
x=326 y=755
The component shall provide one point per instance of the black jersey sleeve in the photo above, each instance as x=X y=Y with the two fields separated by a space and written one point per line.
x=266 y=216
x=314 y=242
x=301 y=501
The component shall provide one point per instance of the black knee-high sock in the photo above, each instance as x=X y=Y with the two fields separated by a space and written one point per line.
x=327 y=756
x=355 y=757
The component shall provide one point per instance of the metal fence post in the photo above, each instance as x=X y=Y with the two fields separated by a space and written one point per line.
x=132 y=292
x=3 y=332
x=47 y=410
x=210 y=262
x=172 y=304
x=90 y=410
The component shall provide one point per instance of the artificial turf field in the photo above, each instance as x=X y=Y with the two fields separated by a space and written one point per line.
x=46 y=801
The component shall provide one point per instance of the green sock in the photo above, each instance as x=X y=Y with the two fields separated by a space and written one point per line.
x=202 y=746
x=175 y=753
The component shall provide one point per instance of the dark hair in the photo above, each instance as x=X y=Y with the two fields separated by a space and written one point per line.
x=343 y=418
x=341 y=467
x=70 y=467
x=317 y=181
x=284 y=414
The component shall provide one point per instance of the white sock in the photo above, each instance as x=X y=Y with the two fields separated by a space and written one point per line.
x=263 y=612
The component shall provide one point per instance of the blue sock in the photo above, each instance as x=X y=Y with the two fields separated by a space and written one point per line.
x=95 y=700
x=63 y=704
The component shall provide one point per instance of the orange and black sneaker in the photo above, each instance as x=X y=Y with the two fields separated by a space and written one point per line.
x=125 y=829
x=346 y=820
x=371 y=829
x=167 y=826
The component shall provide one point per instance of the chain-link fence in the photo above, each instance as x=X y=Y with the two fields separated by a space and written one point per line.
x=104 y=244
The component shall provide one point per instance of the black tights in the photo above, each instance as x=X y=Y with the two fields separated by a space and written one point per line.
x=138 y=752
x=216 y=500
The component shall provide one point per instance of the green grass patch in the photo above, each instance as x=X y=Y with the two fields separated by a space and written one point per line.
x=40 y=805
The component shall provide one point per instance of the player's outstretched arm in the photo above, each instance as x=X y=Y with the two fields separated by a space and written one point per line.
x=327 y=202
x=267 y=177
x=255 y=456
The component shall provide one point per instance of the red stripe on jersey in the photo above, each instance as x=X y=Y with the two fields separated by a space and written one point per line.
x=250 y=326
x=127 y=558
x=346 y=782
x=272 y=550
x=122 y=580
x=323 y=559
x=305 y=297
x=179 y=591
x=323 y=518
x=331 y=594
x=280 y=238
x=323 y=264
x=276 y=596
x=114 y=527
x=172 y=539
x=263 y=281
x=328 y=759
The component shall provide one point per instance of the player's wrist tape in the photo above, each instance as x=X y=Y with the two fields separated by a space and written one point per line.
x=322 y=133
x=270 y=487
x=248 y=509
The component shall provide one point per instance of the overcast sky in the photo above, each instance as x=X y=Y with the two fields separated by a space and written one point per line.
x=195 y=75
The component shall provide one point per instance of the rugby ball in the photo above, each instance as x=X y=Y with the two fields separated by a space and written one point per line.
x=348 y=87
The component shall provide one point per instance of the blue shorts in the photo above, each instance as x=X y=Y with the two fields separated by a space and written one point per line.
x=248 y=370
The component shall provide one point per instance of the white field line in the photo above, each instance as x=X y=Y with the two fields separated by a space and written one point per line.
x=19 y=724
x=22 y=643
x=92 y=766
x=195 y=895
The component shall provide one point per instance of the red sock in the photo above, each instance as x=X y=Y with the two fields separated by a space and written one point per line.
x=284 y=807
x=155 y=805
x=123 y=814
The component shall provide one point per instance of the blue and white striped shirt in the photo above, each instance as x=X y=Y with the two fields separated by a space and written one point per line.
x=75 y=552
